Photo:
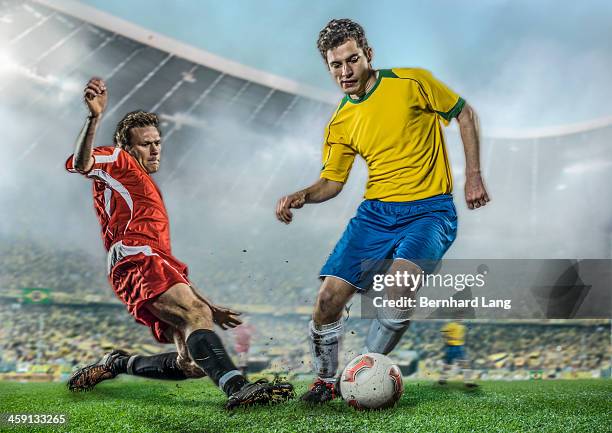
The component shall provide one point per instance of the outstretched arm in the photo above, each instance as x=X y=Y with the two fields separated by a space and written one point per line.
x=475 y=192
x=322 y=190
x=95 y=96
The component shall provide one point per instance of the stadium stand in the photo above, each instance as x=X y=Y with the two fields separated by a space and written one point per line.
x=71 y=335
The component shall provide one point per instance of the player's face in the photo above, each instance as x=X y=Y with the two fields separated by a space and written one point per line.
x=145 y=146
x=350 y=67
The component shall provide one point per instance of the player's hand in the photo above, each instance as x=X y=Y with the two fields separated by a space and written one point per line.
x=95 y=96
x=225 y=317
x=292 y=201
x=475 y=193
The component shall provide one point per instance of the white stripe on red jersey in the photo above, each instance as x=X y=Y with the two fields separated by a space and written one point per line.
x=134 y=208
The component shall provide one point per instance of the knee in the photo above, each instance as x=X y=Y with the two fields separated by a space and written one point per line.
x=180 y=307
x=405 y=267
x=326 y=296
x=198 y=315
x=410 y=267
x=190 y=314
x=328 y=306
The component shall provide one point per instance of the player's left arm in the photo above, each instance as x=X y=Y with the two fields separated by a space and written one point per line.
x=475 y=192
x=439 y=98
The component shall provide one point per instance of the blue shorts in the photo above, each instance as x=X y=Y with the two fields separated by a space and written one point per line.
x=453 y=353
x=420 y=231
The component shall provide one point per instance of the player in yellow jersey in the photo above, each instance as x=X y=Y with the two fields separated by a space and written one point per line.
x=393 y=119
x=453 y=334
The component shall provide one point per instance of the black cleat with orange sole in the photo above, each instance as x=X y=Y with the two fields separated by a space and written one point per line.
x=86 y=378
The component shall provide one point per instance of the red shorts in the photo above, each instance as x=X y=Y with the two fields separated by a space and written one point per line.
x=140 y=278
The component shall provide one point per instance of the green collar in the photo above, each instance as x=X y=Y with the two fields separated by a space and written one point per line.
x=367 y=95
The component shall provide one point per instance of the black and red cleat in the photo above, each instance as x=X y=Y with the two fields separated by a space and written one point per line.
x=260 y=393
x=86 y=378
x=321 y=392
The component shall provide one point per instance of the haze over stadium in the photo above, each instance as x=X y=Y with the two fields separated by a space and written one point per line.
x=236 y=138
x=215 y=119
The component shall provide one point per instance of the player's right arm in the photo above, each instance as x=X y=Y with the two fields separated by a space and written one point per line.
x=322 y=190
x=95 y=96
x=338 y=159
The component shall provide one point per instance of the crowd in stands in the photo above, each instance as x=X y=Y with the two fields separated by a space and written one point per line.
x=81 y=334
x=515 y=346
x=235 y=272
x=226 y=275
x=85 y=319
x=26 y=263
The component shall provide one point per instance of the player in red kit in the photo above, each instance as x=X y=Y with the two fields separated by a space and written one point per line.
x=142 y=271
x=242 y=344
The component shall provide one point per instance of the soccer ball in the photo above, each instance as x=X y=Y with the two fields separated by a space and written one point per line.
x=371 y=381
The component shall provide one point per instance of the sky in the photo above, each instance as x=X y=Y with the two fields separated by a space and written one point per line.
x=520 y=63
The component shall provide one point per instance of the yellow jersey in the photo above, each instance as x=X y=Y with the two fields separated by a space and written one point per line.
x=396 y=127
x=454 y=334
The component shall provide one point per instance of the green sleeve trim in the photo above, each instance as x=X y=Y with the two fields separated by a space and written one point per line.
x=453 y=112
x=387 y=73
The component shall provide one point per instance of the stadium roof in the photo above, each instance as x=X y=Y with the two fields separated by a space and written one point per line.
x=201 y=57
x=185 y=51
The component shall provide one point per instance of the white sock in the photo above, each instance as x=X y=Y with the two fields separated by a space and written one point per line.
x=324 y=347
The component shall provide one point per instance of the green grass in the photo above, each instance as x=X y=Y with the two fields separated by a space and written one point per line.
x=133 y=405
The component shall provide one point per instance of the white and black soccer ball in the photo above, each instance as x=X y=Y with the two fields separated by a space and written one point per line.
x=371 y=381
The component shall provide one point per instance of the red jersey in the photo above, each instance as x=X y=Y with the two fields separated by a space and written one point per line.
x=128 y=203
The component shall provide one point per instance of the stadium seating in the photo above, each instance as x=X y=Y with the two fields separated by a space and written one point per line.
x=80 y=334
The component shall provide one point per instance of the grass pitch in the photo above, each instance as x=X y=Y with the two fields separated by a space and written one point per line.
x=140 y=405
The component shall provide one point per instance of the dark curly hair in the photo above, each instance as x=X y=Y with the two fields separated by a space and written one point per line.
x=337 y=32
x=134 y=119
